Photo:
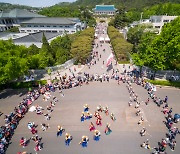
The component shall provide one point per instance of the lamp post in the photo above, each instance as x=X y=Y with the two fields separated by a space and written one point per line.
x=141 y=17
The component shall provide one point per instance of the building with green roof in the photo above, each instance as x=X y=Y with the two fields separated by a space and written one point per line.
x=104 y=10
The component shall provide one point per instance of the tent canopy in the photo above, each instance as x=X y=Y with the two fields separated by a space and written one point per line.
x=107 y=39
x=101 y=39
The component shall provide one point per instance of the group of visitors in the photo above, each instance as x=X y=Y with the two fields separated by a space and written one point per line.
x=46 y=92
x=12 y=120
x=98 y=117
x=170 y=120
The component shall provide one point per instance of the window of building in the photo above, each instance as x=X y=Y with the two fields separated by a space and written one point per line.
x=67 y=26
x=28 y=30
x=22 y=31
x=54 y=31
x=61 y=26
x=35 y=31
x=157 y=26
x=41 y=25
x=48 y=26
x=72 y=31
x=35 y=25
x=28 y=25
x=54 y=26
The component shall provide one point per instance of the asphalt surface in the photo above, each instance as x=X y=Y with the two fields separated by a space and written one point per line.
x=125 y=137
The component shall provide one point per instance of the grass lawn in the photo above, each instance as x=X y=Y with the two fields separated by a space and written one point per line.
x=165 y=83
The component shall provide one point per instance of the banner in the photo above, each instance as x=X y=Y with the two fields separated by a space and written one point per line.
x=109 y=59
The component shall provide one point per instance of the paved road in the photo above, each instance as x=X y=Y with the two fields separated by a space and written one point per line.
x=124 y=139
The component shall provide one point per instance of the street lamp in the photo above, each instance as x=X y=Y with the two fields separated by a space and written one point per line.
x=141 y=17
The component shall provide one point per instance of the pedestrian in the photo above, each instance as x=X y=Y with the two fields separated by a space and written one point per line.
x=147 y=101
x=141 y=120
x=84 y=141
x=143 y=132
x=60 y=131
x=172 y=145
x=91 y=127
x=108 y=129
x=146 y=144
x=112 y=117
x=22 y=142
x=97 y=135
x=44 y=127
x=68 y=139
x=86 y=107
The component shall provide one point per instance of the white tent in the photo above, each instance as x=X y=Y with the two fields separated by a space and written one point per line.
x=95 y=35
x=107 y=39
x=101 y=39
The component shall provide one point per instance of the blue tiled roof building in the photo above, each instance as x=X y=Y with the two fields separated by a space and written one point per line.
x=104 y=9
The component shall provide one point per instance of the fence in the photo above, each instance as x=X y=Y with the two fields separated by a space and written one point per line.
x=161 y=74
x=38 y=74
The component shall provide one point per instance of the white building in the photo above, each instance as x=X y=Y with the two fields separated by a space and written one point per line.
x=159 y=21
x=51 y=24
x=104 y=10
x=13 y=18
x=29 y=22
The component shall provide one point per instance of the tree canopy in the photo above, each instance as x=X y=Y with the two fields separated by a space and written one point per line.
x=121 y=47
x=160 y=51
x=82 y=46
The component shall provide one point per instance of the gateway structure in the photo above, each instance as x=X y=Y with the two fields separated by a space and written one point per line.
x=105 y=10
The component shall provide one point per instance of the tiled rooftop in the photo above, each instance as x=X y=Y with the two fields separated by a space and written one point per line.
x=105 y=8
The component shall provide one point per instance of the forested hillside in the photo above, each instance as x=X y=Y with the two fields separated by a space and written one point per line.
x=128 y=4
x=124 y=18
x=8 y=6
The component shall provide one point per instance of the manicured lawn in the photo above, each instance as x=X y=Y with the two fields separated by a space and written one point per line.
x=165 y=83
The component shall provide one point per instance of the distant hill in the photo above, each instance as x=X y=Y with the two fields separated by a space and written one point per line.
x=8 y=6
x=128 y=4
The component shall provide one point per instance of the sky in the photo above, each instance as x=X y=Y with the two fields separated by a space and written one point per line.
x=36 y=3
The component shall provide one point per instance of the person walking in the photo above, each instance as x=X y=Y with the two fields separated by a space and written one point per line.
x=108 y=129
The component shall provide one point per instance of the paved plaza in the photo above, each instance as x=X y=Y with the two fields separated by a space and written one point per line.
x=125 y=137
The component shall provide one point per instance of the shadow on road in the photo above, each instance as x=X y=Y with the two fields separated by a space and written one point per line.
x=10 y=92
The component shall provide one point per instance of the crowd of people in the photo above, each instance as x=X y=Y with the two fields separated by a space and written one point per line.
x=170 y=120
x=12 y=119
x=69 y=81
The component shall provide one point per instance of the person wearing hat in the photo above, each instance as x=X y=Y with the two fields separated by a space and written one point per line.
x=84 y=141
x=86 y=108
x=88 y=116
x=97 y=135
x=68 y=139
x=60 y=131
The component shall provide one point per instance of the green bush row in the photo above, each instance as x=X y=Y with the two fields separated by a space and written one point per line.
x=18 y=85
x=165 y=83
